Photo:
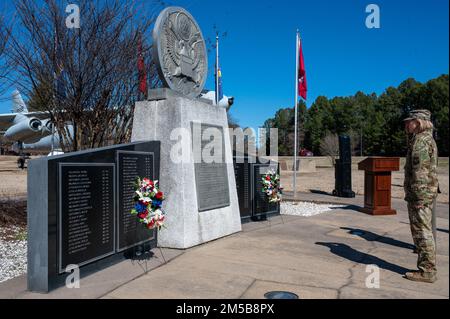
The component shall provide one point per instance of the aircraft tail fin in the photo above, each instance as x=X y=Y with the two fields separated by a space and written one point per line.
x=18 y=103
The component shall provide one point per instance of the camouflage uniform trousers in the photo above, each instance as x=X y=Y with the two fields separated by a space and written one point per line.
x=421 y=229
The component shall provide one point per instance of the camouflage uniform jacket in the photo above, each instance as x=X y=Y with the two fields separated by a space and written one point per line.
x=421 y=181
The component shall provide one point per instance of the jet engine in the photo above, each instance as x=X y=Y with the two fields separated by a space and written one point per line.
x=45 y=144
x=47 y=127
x=24 y=130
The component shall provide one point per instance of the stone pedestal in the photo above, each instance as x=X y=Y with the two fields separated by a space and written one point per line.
x=198 y=211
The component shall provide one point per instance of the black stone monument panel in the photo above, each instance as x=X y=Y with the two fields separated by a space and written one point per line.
x=253 y=203
x=130 y=165
x=261 y=204
x=242 y=175
x=211 y=179
x=86 y=213
x=75 y=203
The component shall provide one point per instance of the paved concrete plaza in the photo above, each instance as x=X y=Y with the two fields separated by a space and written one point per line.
x=314 y=257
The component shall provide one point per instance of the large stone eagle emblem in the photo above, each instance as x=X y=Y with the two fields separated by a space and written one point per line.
x=180 y=52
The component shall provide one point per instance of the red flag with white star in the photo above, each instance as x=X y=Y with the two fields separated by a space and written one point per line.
x=302 y=87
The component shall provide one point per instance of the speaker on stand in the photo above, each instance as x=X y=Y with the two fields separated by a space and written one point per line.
x=343 y=169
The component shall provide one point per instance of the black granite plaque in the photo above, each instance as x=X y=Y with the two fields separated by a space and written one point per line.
x=74 y=206
x=253 y=203
x=86 y=213
x=130 y=165
x=211 y=179
x=242 y=175
x=261 y=203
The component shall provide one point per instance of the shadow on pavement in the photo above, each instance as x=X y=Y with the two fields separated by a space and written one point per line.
x=347 y=207
x=317 y=191
x=351 y=254
x=370 y=236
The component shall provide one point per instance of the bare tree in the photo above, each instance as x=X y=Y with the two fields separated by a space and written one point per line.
x=85 y=76
x=4 y=35
x=329 y=146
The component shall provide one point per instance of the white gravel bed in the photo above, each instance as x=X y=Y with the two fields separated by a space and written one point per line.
x=13 y=256
x=306 y=209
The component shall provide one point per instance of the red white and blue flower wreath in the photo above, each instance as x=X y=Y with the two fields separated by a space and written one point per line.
x=271 y=186
x=148 y=202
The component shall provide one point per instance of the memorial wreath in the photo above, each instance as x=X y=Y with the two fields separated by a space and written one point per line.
x=148 y=202
x=272 y=187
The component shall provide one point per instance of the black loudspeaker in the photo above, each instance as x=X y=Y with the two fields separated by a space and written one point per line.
x=345 y=150
x=343 y=169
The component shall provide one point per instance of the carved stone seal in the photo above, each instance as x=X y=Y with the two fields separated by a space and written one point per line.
x=180 y=52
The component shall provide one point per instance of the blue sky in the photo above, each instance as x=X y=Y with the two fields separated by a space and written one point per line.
x=341 y=55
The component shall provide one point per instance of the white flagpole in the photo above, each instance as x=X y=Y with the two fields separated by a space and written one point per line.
x=294 y=183
x=55 y=89
x=217 y=70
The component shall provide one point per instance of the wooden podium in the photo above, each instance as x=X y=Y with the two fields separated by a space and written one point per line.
x=377 y=184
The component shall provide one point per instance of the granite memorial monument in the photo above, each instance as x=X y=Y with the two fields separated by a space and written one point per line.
x=201 y=200
x=79 y=210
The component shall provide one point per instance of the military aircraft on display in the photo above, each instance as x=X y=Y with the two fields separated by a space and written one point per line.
x=32 y=131
x=29 y=131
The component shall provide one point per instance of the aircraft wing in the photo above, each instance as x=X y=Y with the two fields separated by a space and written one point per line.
x=39 y=115
x=6 y=120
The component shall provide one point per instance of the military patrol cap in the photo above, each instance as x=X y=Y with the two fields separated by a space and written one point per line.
x=419 y=115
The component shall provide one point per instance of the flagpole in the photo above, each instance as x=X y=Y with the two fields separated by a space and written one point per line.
x=294 y=183
x=217 y=69
x=55 y=88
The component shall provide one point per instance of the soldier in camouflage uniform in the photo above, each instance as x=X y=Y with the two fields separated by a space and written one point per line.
x=421 y=186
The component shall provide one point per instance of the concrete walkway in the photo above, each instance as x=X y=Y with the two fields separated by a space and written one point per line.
x=314 y=257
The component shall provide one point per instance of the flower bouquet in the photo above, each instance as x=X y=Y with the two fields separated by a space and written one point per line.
x=272 y=187
x=148 y=202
